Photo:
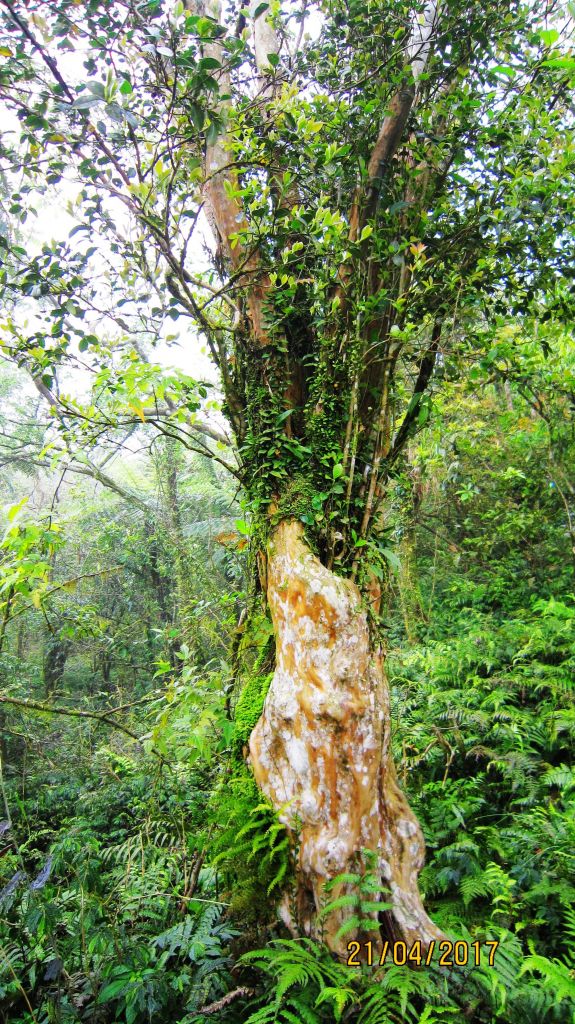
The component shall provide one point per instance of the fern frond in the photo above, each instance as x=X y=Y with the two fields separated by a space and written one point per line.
x=263 y=1016
x=347 y=878
x=348 y=900
x=338 y=997
x=354 y=923
x=569 y=926
x=556 y=976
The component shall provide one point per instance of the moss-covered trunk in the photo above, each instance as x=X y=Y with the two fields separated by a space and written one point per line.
x=321 y=750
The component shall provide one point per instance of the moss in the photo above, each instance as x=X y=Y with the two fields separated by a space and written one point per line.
x=255 y=647
x=250 y=705
x=249 y=848
x=296 y=498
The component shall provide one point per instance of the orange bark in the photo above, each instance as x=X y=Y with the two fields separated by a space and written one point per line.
x=321 y=749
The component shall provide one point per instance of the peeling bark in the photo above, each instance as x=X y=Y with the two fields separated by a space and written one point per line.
x=321 y=750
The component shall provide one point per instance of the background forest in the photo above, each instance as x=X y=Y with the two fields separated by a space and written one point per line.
x=138 y=870
x=352 y=225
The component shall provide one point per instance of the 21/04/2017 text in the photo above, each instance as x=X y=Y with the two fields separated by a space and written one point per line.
x=449 y=954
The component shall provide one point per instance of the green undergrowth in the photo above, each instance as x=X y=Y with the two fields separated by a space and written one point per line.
x=250 y=848
x=97 y=919
x=147 y=893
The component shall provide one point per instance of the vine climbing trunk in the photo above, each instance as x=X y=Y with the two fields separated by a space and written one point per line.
x=321 y=751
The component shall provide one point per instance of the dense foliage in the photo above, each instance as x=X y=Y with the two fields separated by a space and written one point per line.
x=370 y=186
x=385 y=304
x=133 y=888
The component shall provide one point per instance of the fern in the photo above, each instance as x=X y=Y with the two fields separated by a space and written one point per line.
x=302 y=978
x=557 y=977
x=253 y=845
x=379 y=1007
x=562 y=777
x=338 y=997
x=494 y=882
x=569 y=927
x=365 y=886
x=174 y=939
x=501 y=980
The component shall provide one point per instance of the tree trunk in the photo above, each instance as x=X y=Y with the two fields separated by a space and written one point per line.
x=56 y=654
x=412 y=607
x=321 y=750
x=20 y=636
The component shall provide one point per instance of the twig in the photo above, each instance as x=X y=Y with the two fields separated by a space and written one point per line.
x=230 y=997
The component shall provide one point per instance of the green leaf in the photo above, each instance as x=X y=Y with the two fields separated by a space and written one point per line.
x=391 y=557
x=348 y=900
x=352 y=924
x=197 y=115
x=209 y=63
x=86 y=101
x=563 y=63
x=213 y=133
x=113 y=989
x=549 y=36
x=15 y=509
x=115 y=112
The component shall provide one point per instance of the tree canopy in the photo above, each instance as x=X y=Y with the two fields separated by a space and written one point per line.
x=369 y=188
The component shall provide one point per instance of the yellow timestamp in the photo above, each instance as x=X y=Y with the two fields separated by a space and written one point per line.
x=448 y=954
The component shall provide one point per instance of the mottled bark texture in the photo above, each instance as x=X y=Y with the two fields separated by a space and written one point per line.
x=321 y=750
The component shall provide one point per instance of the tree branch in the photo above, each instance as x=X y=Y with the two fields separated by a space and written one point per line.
x=48 y=60
x=220 y=1004
x=426 y=368
x=35 y=705
x=391 y=132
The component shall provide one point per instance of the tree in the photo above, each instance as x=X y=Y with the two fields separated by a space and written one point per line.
x=367 y=189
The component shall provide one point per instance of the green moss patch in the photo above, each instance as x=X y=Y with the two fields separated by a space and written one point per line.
x=250 y=705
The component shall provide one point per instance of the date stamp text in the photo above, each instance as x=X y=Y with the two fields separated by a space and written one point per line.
x=447 y=954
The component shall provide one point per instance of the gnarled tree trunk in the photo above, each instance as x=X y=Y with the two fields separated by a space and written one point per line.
x=321 y=750
x=296 y=386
